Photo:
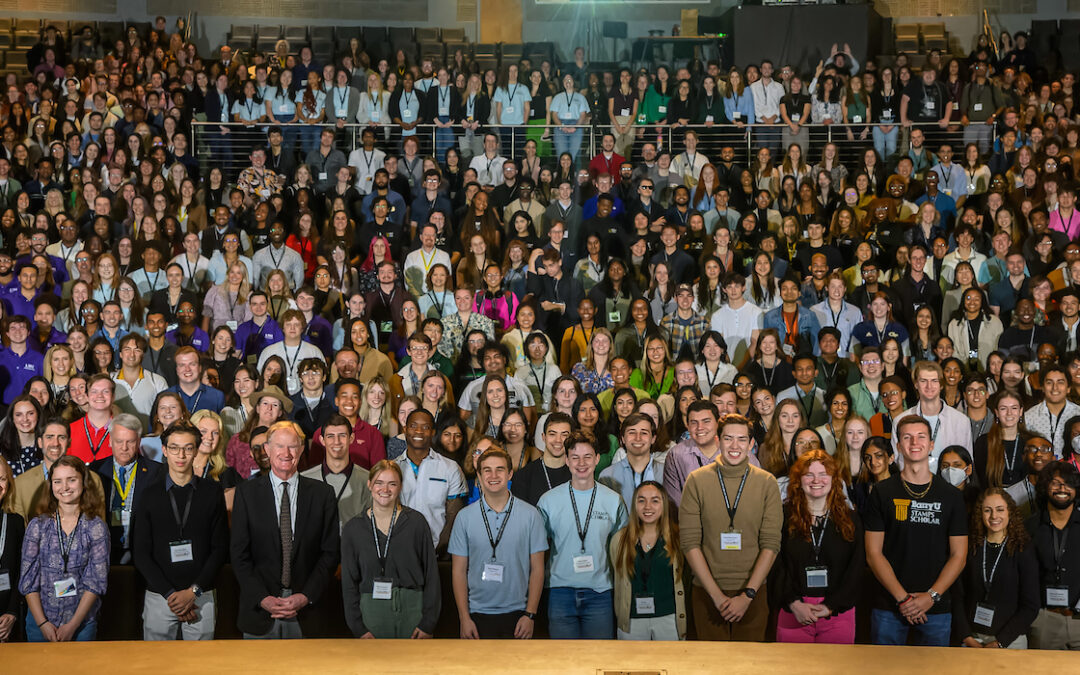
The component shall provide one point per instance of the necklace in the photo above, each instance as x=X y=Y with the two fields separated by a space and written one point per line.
x=917 y=495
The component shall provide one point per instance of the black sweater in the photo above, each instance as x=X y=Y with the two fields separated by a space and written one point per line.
x=845 y=560
x=1014 y=594
x=206 y=528
x=11 y=563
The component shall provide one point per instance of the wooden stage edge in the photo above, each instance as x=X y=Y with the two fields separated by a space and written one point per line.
x=543 y=656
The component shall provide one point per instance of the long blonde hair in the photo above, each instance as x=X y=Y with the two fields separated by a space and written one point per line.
x=244 y=291
x=627 y=538
x=387 y=421
x=217 y=457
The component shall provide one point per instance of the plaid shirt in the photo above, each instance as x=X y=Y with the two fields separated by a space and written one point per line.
x=684 y=331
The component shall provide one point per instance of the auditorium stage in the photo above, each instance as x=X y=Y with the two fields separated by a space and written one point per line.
x=464 y=657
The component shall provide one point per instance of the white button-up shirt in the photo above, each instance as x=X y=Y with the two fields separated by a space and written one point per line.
x=426 y=488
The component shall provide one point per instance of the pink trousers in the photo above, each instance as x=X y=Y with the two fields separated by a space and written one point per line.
x=837 y=630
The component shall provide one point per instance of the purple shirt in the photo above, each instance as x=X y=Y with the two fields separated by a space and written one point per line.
x=16 y=371
x=42 y=565
x=682 y=460
x=251 y=339
x=199 y=339
x=320 y=334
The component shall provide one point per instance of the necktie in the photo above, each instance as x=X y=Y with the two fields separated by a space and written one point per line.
x=121 y=472
x=285 y=521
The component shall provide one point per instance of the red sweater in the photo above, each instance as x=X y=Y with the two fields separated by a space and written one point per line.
x=88 y=443
x=368 y=447
x=599 y=165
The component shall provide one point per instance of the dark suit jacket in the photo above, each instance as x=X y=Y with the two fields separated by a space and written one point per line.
x=146 y=472
x=256 y=549
x=212 y=106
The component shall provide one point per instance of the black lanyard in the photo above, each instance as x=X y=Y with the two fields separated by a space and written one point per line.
x=382 y=552
x=817 y=540
x=65 y=546
x=348 y=476
x=732 y=508
x=989 y=580
x=582 y=532
x=502 y=528
x=94 y=448
x=182 y=521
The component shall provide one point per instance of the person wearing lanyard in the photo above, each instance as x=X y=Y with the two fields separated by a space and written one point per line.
x=182 y=537
x=810 y=398
x=65 y=559
x=292 y=349
x=638 y=467
x=1055 y=533
x=498 y=569
x=834 y=312
x=580 y=520
x=512 y=102
x=12 y=528
x=821 y=556
x=90 y=435
x=391 y=589
x=1064 y=218
x=568 y=112
x=126 y=475
x=1047 y=417
x=999 y=595
x=916 y=543
x=650 y=598
x=442 y=106
x=348 y=481
x=731 y=557
x=948 y=426
x=1037 y=455
x=196 y=395
x=549 y=471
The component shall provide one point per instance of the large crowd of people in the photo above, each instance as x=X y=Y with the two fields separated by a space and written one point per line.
x=645 y=394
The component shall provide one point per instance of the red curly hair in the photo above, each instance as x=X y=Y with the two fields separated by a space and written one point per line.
x=800 y=520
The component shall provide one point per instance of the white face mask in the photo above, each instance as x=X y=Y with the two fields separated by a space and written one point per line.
x=954 y=476
x=1076 y=443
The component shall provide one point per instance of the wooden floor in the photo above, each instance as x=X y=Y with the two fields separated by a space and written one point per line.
x=546 y=656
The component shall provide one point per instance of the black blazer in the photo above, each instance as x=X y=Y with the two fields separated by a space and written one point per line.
x=146 y=472
x=11 y=563
x=256 y=549
x=429 y=109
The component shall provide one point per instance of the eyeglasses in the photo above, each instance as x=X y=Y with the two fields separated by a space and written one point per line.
x=889 y=394
x=180 y=449
x=874 y=362
x=649 y=188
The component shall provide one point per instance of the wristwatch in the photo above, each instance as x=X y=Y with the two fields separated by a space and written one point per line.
x=750 y=592
x=196 y=590
x=531 y=615
x=934 y=595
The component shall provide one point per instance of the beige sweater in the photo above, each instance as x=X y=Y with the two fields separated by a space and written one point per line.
x=703 y=517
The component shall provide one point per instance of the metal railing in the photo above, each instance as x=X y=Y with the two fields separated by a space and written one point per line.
x=230 y=151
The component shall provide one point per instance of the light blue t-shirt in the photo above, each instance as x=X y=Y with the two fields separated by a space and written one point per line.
x=320 y=102
x=522 y=536
x=608 y=516
x=408 y=110
x=569 y=108
x=513 y=99
x=248 y=109
x=280 y=102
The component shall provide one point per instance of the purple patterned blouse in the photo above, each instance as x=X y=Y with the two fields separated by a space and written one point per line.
x=42 y=565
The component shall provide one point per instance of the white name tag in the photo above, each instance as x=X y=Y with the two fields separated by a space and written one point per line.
x=322 y=175
x=293 y=383
x=817 y=577
x=984 y=615
x=857 y=119
x=796 y=117
x=406 y=115
x=737 y=115
x=931 y=105
x=1057 y=596
x=583 y=564
x=381 y=590
x=731 y=541
x=65 y=588
x=978 y=107
x=283 y=108
x=444 y=111
x=886 y=114
x=232 y=325
x=5 y=581
x=493 y=572
x=661 y=109
x=645 y=605
x=625 y=112
x=709 y=118
x=510 y=109
x=180 y=551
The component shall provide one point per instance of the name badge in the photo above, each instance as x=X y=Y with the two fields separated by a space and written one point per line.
x=342 y=115
x=232 y=325
x=382 y=589
x=65 y=588
x=614 y=317
x=661 y=109
x=172 y=327
x=180 y=551
x=709 y=118
x=283 y=108
x=510 y=109
x=978 y=107
x=931 y=105
x=322 y=175
x=5 y=581
x=796 y=117
x=856 y=119
x=1057 y=596
x=406 y=114
x=493 y=572
x=737 y=115
x=292 y=382
x=583 y=564
x=645 y=605
x=947 y=192
x=444 y=111
x=121 y=518
x=886 y=114
x=984 y=614
x=625 y=112
x=827 y=116
x=386 y=326
x=817 y=577
x=731 y=541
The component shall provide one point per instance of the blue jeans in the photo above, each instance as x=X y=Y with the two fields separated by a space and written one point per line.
x=885 y=143
x=444 y=140
x=568 y=142
x=86 y=633
x=889 y=628
x=309 y=137
x=580 y=614
x=288 y=134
